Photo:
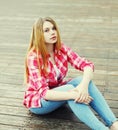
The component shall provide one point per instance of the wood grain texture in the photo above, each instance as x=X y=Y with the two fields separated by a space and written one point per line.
x=89 y=27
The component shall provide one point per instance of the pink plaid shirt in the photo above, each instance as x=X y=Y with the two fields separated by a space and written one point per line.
x=38 y=84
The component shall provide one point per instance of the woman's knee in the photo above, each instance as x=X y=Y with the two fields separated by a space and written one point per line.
x=64 y=87
x=47 y=107
x=75 y=81
x=93 y=90
x=92 y=86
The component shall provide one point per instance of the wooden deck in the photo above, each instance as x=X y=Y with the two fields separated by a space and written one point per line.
x=90 y=27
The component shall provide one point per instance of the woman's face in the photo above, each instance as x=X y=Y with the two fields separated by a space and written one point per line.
x=50 y=32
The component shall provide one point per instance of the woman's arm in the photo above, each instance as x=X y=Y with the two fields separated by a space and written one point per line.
x=59 y=95
x=87 y=75
x=79 y=63
x=82 y=88
x=79 y=94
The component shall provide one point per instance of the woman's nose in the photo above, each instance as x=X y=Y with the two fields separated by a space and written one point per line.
x=52 y=32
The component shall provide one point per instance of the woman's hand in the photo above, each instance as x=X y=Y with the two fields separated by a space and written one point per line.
x=82 y=94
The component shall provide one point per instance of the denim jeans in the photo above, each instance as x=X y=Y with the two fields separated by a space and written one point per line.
x=82 y=111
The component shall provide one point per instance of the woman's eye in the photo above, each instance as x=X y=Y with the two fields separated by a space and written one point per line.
x=53 y=28
x=46 y=30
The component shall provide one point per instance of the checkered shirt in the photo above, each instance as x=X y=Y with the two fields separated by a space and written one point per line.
x=38 y=84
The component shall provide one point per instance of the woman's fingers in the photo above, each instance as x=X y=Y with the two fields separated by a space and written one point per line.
x=84 y=99
x=88 y=101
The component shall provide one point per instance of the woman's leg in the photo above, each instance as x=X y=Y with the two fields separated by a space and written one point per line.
x=100 y=105
x=83 y=112
x=49 y=106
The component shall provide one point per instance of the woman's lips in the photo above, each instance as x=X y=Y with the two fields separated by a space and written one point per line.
x=53 y=38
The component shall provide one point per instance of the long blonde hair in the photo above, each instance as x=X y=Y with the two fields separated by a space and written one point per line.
x=37 y=43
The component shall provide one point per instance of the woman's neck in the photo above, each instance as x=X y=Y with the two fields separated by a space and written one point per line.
x=50 y=48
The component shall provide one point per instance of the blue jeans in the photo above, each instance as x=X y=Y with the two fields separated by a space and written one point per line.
x=82 y=111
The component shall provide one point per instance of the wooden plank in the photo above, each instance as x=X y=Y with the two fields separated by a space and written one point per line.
x=9 y=127
x=12 y=120
x=11 y=94
x=11 y=87
x=14 y=111
x=91 y=32
x=112 y=96
x=10 y=102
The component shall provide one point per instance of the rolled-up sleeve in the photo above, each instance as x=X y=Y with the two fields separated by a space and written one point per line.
x=78 y=62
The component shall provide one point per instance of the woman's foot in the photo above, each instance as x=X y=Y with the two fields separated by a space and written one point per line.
x=114 y=126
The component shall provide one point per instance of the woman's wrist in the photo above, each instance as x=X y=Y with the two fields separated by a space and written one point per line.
x=85 y=82
x=73 y=95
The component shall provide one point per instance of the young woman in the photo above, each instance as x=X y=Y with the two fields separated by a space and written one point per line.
x=46 y=66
